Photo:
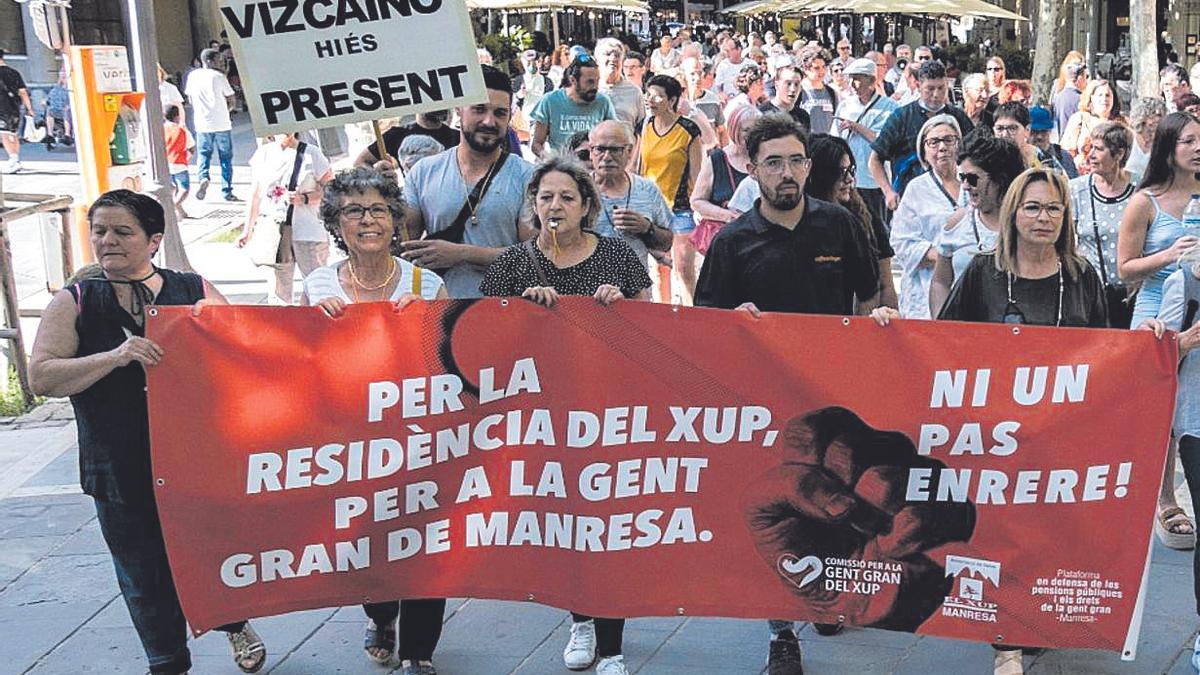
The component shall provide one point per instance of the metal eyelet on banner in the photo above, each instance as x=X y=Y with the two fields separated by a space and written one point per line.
x=160 y=482
x=845 y=321
x=1016 y=330
x=529 y=597
x=999 y=638
x=676 y=302
x=504 y=302
x=153 y=311
x=680 y=611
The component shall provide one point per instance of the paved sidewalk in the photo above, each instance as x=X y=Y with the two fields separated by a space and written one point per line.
x=60 y=611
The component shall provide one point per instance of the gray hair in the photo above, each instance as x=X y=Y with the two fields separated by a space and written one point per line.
x=935 y=121
x=359 y=180
x=583 y=182
x=974 y=81
x=609 y=43
x=1144 y=108
x=418 y=147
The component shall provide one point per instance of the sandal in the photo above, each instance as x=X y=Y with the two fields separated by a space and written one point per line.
x=1175 y=529
x=380 y=638
x=248 y=651
x=828 y=629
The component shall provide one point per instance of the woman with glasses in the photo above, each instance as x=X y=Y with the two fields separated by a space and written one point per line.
x=986 y=167
x=1097 y=104
x=996 y=74
x=832 y=180
x=1150 y=241
x=928 y=203
x=1098 y=201
x=363 y=211
x=1034 y=276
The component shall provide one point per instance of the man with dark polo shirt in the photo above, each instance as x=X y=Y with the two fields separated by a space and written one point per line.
x=897 y=141
x=431 y=124
x=790 y=253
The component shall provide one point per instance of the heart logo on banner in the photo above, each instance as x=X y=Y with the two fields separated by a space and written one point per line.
x=808 y=569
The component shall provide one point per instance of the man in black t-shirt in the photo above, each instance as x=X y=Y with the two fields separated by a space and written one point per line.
x=790 y=253
x=12 y=94
x=432 y=124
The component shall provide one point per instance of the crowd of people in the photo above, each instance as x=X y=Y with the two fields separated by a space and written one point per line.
x=760 y=177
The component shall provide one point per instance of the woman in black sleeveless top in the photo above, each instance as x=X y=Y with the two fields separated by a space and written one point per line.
x=91 y=346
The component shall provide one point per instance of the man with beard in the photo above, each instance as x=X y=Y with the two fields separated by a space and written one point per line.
x=431 y=124
x=578 y=106
x=626 y=96
x=790 y=253
x=467 y=200
x=631 y=207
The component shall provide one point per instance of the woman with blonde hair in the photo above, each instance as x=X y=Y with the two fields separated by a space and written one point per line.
x=1097 y=104
x=1072 y=58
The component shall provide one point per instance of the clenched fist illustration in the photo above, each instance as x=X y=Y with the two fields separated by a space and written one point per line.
x=840 y=494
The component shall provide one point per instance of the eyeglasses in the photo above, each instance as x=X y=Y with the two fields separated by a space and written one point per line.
x=583 y=155
x=969 y=178
x=1034 y=209
x=924 y=58
x=1190 y=140
x=777 y=164
x=848 y=172
x=836 y=69
x=947 y=141
x=354 y=212
x=608 y=149
x=1006 y=128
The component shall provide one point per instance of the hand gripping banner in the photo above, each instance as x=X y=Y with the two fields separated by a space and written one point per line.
x=981 y=482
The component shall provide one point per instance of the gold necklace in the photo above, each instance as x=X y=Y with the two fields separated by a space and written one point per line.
x=359 y=284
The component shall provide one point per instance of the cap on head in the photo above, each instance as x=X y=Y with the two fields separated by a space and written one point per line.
x=1040 y=119
x=860 y=67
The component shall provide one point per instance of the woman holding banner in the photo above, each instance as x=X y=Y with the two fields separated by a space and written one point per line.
x=1033 y=277
x=91 y=346
x=362 y=209
x=566 y=258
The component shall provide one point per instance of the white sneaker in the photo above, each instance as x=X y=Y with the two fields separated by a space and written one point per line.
x=612 y=665
x=13 y=166
x=580 y=653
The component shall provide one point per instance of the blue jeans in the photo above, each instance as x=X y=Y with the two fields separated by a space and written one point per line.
x=134 y=539
x=223 y=140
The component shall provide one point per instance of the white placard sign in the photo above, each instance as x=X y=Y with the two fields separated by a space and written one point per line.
x=307 y=64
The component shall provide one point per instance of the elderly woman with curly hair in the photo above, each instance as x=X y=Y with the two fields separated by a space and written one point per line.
x=363 y=211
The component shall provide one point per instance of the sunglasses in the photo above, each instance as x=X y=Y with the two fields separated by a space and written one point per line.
x=995 y=69
x=969 y=178
x=848 y=172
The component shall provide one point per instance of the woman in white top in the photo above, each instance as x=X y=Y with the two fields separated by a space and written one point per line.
x=363 y=211
x=928 y=202
x=303 y=240
x=986 y=167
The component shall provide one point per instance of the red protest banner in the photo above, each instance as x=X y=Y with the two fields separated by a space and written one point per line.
x=949 y=479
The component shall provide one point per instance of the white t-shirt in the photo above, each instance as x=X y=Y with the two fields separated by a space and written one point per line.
x=727 y=72
x=271 y=167
x=207 y=88
x=169 y=95
x=323 y=283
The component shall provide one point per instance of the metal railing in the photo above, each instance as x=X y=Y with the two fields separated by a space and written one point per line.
x=10 y=330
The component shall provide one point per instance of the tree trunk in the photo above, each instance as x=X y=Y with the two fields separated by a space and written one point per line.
x=1144 y=45
x=1049 y=49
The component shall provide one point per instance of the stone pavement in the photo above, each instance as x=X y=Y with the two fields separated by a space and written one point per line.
x=61 y=613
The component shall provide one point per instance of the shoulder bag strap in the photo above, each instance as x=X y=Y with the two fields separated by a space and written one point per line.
x=1096 y=231
x=537 y=266
x=458 y=228
x=287 y=220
